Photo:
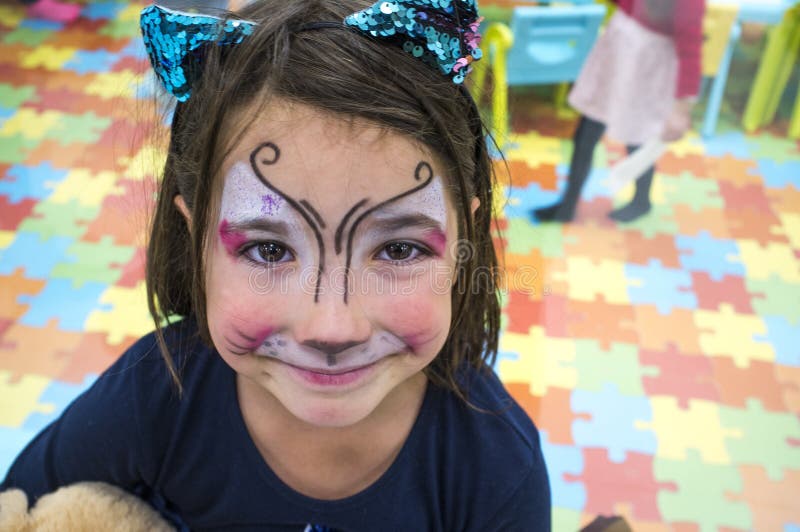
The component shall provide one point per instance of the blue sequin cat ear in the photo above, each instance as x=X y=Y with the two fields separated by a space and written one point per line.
x=174 y=42
x=442 y=33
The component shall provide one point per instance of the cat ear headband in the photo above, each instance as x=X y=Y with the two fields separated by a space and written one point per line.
x=442 y=33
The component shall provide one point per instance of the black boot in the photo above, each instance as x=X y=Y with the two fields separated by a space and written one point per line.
x=587 y=135
x=640 y=204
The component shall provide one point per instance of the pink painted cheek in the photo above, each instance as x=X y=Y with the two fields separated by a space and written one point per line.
x=249 y=338
x=437 y=240
x=232 y=240
x=417 y=326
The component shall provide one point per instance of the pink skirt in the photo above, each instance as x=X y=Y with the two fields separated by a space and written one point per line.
x=628 y=81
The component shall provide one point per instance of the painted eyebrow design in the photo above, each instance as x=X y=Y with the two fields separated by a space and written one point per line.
x=260 y=224
x=391 y=223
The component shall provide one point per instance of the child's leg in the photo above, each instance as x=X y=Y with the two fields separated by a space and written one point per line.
x=54 y=10
x=587 y=135
x=640 y=205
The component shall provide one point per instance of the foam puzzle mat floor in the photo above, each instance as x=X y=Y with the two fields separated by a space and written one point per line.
x=660 y=359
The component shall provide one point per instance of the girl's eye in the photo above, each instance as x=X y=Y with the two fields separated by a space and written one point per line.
x=267 y=252
x=402 y=252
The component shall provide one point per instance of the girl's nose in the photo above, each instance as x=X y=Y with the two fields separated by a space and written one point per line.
x=330 y=325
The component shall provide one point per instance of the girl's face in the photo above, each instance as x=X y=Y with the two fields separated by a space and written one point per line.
x=329 y=272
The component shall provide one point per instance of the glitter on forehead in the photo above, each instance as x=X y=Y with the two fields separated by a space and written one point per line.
x=242 y=193
x=430 y=201
x=270 y=204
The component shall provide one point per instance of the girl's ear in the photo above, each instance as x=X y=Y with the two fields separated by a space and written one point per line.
x=181 y=205
x=474 y=206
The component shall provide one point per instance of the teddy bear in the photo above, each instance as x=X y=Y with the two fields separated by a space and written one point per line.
x=85 y=506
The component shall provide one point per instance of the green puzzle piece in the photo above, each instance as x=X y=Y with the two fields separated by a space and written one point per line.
x=764 y=437
x=94 y=262
x=779 y=149
x=27 y=36
x=14 y=148
x=86 y=128
x=619 y=365
x=522 y=237
x=59 y=219
x=701 y=495
x=660 y=220
x=565 y=519
x=685 y=189
x=12 y=96
x=120 y=29
x=779 y=297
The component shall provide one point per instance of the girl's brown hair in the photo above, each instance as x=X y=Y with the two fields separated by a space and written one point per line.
x=353 y=76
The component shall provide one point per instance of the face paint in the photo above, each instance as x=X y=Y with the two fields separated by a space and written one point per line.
x=330 y=192
x=232 y=240
x=270 y=203
x=378 y=346
x=437 y=240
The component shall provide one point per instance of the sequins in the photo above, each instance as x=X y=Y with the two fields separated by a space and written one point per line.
x=174 y=42
x=443 y=33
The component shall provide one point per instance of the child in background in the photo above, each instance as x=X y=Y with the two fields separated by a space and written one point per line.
x=332 y=370
x=639 y=83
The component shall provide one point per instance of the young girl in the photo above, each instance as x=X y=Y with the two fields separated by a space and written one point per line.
x=323 y=225
x=638 y=84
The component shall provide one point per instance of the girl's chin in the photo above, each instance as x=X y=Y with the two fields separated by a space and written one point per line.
x=329 y=413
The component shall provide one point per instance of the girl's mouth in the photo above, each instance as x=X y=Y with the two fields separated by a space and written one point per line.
x=327 y=377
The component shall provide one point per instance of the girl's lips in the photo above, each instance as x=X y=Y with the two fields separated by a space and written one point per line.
x=328 y=378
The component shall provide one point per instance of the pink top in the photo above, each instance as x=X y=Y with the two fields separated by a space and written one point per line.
x=683 y=21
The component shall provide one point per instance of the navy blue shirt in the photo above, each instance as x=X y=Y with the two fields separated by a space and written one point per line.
x=194 y=460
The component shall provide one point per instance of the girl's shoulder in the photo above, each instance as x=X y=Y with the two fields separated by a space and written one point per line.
x=140 y=376
x=490 y=453
x=144 y=356
x=490 y=413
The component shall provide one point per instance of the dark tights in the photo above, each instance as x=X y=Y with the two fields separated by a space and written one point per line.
x=587 y=135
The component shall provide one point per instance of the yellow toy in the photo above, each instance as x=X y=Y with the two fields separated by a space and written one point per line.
x=780 y=57
x=82 y=506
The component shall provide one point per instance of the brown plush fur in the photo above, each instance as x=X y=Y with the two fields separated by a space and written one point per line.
x=86 y=506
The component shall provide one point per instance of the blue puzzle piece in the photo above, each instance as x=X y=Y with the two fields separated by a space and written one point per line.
x=12 y=442
x=561 y=459
x=91 y=61
x=34 y=182
x=134 y=49
x=60 y=395
x=41 y=24
x=662 y=287
x=785 y=340
x=791 y=527
x=613 y=423
x=733 y=143
x=102 y=10
x=36 y=256
x=594 y=187
x=5 y=114
x=522 y=200
x=60 y=299
x=779 y=175
x=709 y=254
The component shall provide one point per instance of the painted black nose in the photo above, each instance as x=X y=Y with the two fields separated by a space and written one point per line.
x=330 y=348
